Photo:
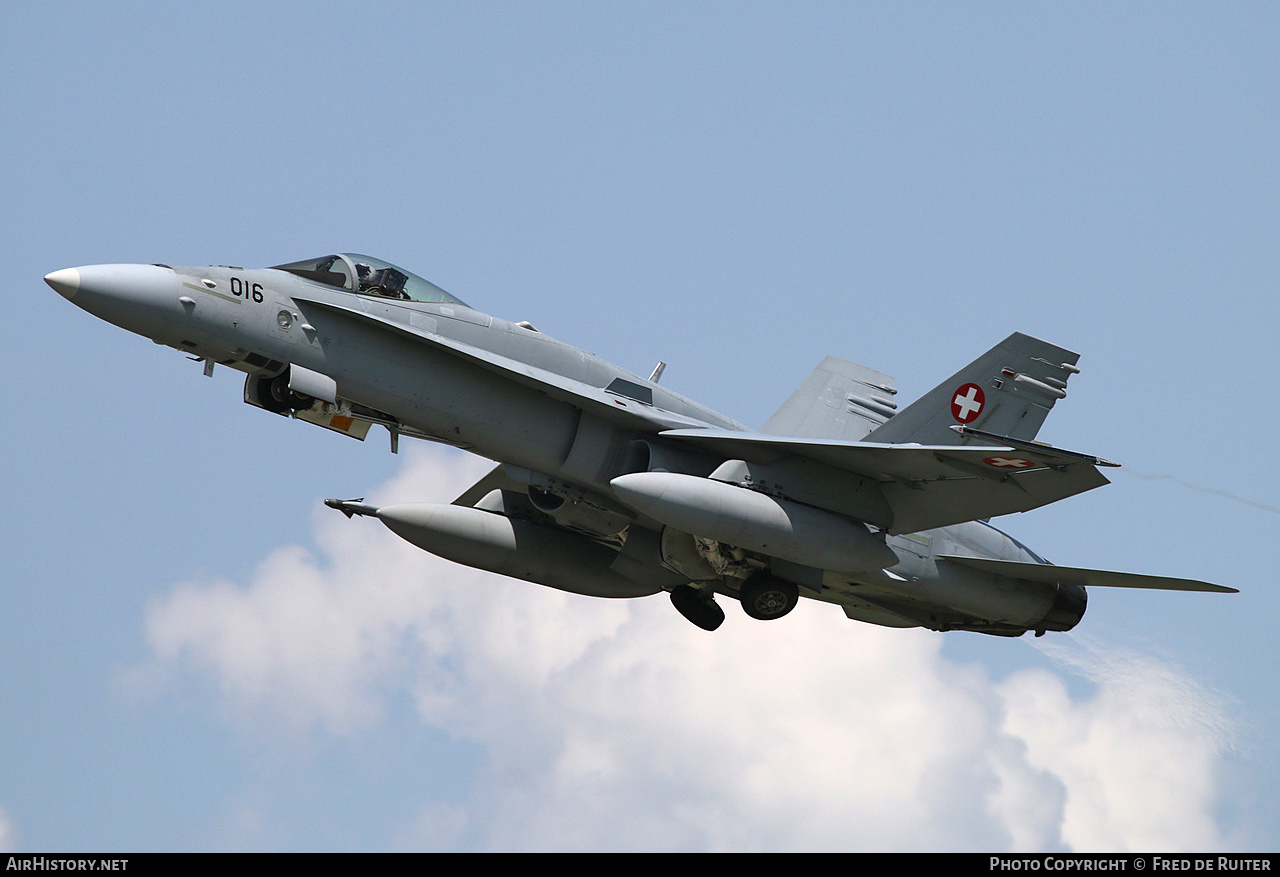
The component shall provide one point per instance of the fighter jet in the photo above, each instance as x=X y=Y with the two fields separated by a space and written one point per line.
x=608 y=484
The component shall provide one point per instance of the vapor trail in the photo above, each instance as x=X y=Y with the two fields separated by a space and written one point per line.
x=1197 y=487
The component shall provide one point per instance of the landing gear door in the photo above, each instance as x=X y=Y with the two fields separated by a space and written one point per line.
x=329 y=416
x=680 y=554
x=354 y=427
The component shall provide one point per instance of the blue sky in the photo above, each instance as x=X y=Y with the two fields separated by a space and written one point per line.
x=195 y=654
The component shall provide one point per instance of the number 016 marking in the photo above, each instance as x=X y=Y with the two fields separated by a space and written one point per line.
x=246 y=289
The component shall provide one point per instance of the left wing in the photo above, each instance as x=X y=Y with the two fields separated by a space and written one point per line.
x=614 y=406
x=927 y=486
x=1074 y=575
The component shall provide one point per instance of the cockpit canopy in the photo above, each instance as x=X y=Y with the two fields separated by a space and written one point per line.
x=369 y=276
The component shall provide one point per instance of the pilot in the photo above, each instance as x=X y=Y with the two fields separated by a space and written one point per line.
x=365 y=280
x=385 y=282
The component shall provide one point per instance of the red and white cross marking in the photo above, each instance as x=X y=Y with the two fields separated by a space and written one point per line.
x=967 y=403
x=1008 y=462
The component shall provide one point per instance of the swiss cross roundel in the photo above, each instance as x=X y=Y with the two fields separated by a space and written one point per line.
x=967 y=402
x=1008 y=463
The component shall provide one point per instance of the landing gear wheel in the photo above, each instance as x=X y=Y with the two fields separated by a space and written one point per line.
x=275 y=395
x=699 y=609
x=767 y=597
x=263 y=395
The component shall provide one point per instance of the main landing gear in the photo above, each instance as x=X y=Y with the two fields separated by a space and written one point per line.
x=768 y=597
x=698 y=606
x=763 y=596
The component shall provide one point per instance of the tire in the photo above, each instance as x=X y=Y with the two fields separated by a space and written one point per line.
x=286 y=399
x=701 y=611
x=265 y=395
x=767 y=597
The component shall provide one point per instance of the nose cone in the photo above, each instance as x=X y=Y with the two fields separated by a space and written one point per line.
x=140 y=298
x=65 y=282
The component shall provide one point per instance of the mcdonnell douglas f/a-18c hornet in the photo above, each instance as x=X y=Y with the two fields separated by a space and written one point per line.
x=611 y=485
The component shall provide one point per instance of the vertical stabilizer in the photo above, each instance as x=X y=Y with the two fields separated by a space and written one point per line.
x=839 y=400
x=1007 y=391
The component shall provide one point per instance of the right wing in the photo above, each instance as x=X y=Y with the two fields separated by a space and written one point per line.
x=925 y=486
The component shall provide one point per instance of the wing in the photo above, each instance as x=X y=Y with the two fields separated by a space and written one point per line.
x=1073 y=575
x=926 y=486
x=615 y=406
x=839 y=400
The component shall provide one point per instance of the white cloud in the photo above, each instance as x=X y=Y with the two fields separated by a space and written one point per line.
x=8 y=835
x=617 y=725
x=1137 y=759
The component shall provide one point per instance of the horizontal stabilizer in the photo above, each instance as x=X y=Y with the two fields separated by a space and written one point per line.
x=1089 y=578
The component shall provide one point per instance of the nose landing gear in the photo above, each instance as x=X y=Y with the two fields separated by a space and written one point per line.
x=274 y=395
